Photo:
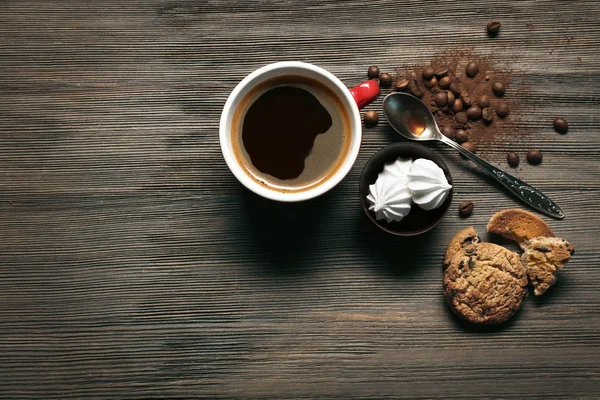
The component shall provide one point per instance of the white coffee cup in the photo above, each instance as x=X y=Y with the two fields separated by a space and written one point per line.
x=351 y=100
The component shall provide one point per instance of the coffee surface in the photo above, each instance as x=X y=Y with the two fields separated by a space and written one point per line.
x=280 y=129
x=291 y=133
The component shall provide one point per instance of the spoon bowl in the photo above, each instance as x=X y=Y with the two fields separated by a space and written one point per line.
x=411 y=118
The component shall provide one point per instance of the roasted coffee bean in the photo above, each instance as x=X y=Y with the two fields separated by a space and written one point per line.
x=415 y=88
x=466 y=100
x=430 y=83
x=483 y=101
x=498 y=88
x=373 y=72
x=488 y=115
x=445 y=82
x=371 y=118
x=457 y=106
x=448 y=132
x=512 y=159
x=454 y=88
x=385 y=79
x=461 y=118
x=402 y=85
x=474 y=113
x=441 y=99
x=470 y=146
x=493 y=27
x=561 y=125
x=428 y=72
x=465 y=208
x=461 y=136
x=451 y=98
x=442 y=72
x=502 y=110
x=472 y=69
x=534 y=157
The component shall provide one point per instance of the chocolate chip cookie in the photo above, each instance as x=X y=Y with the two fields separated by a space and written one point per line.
x=543 y=257
x=485 y=283
x=518 y=225
x=462 y=239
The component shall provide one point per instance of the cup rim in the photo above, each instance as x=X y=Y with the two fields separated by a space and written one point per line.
x=390 y=153
x=248 y=182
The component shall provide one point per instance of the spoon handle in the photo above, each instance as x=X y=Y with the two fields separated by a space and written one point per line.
x=526 y=193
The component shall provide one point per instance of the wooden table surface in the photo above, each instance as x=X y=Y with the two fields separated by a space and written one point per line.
x=133 y=265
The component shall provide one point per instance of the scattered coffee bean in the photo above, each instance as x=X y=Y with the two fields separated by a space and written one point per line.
x=461 y=118
x=385 y=79
x=461 y=136
x=534 y=157
x=428 y=72
x=465 y=208
x=488 y=115
x=448 y=132
x=430 y=83
x=440 y=73
x=484 y=101
x=401 y=85
x=445 y=82
x=561 y=125
x=373 y=72
x=512 y=159
x=466 y=100
x=498 y=88
x=441 y=99
x=472 y=69
x=502 y=110
x=454 y=88
x=493 y=27
x=371 y=118
x=474 y=113
x=451 y=98
x=457 y=106
x=470 y=146
x=415 y=88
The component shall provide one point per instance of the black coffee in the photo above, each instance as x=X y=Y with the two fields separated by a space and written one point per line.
x=292 y=134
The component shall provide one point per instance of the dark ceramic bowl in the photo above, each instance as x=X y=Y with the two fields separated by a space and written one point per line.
x=418 y=220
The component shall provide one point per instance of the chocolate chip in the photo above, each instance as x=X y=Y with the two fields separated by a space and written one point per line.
x=448 y=132
x=470 y=146
x=451 y=98
x=371 y=118
x=461 y=118
x=493 y=27
x=466 y=99
x=415 y=88
x=512 y=159
x=488 y=115
x=430 y=83
x=401 y=85
x=469 y=251
x=373 y=72
x=502 y=110
x=474 y=113
x=441 y=99
x=561 y=125
x=484 y=101
x=428 y=72
x=461 y=136
x=385 y=79
x=543 y=249
x=534 y=157
x=465 y=208
x=457 y=106
x=498 y=88
x=472 y=69
x=442 y=72
x=461 y=265
x=445 y=82
x=471 y=263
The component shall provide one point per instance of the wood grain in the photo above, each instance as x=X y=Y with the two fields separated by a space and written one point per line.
x=134 y=266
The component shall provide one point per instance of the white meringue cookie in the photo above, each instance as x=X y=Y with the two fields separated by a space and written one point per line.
x=428 y=184
x=389 y=197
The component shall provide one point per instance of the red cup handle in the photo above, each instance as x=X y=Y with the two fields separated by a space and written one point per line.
x=364 y=93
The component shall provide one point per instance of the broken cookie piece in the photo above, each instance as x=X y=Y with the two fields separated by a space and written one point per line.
x=518 y=225
x=543 y=257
